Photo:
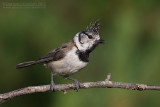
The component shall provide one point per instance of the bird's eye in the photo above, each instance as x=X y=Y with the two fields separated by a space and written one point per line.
x=90 y=36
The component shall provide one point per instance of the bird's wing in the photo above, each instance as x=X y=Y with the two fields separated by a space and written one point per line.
x=56 y=54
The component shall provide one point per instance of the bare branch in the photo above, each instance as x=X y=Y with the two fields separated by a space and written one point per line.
x=108 y=77
x=64 y=87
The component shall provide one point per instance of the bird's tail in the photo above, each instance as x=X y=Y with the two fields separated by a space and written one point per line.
x=26 y=64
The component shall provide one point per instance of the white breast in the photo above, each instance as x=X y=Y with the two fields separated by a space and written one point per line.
x=68 y=65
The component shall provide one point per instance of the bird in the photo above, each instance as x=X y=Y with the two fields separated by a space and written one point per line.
x=70 y=57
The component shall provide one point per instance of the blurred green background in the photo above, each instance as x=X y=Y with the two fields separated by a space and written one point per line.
x=131 y=52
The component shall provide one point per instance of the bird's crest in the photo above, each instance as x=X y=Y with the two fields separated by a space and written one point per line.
x=93 y=27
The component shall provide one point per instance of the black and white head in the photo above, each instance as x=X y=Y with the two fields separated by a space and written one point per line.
x=88 y=39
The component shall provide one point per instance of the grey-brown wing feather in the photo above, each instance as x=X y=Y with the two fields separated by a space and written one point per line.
x=53 y=55
x=57 y=54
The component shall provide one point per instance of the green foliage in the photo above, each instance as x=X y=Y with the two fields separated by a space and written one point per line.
x=131 y=52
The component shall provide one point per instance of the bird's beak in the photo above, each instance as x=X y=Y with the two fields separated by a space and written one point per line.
x=100 y=41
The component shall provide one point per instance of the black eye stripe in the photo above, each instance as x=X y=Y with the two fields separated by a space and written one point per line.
x=89 y=36
x=84 y=33
x=79 y=38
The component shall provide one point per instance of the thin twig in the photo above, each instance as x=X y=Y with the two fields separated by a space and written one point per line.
x=108 y=77
x=64 y=87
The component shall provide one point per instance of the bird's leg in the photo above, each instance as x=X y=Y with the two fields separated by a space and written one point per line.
x=52 y=82
x=75 y=81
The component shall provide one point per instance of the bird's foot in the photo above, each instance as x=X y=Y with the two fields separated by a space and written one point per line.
x=52 y=86
x=77 y=83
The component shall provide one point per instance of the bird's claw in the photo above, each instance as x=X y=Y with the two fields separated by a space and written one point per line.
x=77 y=84
x=52 y=86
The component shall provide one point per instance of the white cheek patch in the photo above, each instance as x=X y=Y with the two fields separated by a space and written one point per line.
x=76 y=41
x=86 y=43
x=84 y=39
